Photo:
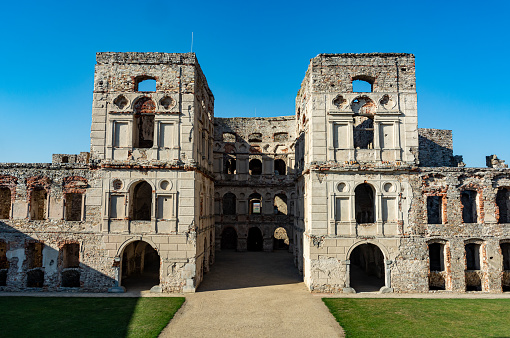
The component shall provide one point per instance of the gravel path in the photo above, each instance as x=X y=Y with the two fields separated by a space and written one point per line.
x=253 y=294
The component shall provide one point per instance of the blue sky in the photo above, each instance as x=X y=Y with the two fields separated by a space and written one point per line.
x=254 y=55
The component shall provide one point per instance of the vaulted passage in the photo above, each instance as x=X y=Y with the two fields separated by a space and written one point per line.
x=255 y=240
x=367 y=268
x=140 y=266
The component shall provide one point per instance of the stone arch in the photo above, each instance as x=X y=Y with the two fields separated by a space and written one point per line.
x=367 y=267
x=281 y=238
x=140 y=264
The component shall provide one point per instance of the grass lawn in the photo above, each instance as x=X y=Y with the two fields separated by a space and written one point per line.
x=421 y=317
x=86 y=317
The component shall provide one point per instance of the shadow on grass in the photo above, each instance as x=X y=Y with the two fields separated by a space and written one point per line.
x=86 y=317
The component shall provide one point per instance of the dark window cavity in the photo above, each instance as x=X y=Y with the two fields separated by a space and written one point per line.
x=255 y=167
x=73 y=204
x=5 y=203
x=229 y=204
x=468 y=200
x=364 y=205
x=503 y=203
x=434 y=209
x=141 y=202
x=280 y=168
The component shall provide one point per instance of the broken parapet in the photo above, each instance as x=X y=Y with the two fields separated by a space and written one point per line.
x=82 y=158
x=492 y=161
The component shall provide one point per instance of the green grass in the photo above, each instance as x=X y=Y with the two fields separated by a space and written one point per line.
x=421 y=317
x=85 y=317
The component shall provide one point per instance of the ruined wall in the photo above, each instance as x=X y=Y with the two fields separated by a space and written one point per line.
x=435 y=148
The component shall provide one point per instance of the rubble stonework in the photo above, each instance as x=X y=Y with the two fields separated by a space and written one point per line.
x=349 y=185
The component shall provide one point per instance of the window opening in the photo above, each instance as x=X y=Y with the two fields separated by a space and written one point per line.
x=280 y=167
x=229 y=204
x=469 y=212
x=70 y=265
x=73 y=203
x=148 y=85
x=38 y=201
x=144 y=123
x=5 y=203
x=503 y=203
x=473 y=278
x=229 y=137
x=255 y=167
x=434 y=209
x=364 y=205
x=142 y=202
x=255 y=137
x=230 y=165
x=436 y=267
x=255 y=201
x=35 y=274
x=363 y=132
x=360 y=86
x=281 y=137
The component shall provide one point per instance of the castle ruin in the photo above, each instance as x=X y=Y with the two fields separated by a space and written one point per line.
x=363 y=198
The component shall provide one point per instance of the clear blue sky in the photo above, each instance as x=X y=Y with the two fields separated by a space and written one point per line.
x=254 y=55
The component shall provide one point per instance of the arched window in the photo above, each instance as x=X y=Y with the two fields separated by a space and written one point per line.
x=38 y=199
x=229 y=165
x=362 y=84
x=255 y=167
x=141 y=202
x=280 y=204
x=143 y=126
x=280 y=168
x=255 y=201
x=145 y=84
x=503 y=203
x=364 y=205
x=5 y=203
x=229 y=204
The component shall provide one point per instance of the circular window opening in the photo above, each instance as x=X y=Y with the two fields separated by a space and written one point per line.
x=342 y=187
x=165 y=185
x=388 y=187
x=117 y=184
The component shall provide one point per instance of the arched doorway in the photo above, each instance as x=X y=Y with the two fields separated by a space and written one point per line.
x=280 y=239
x=367 y=268
x=229 y=239
x=255 y=240
x=140 y=266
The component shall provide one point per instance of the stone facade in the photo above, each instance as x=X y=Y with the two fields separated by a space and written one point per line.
x=363 y=198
